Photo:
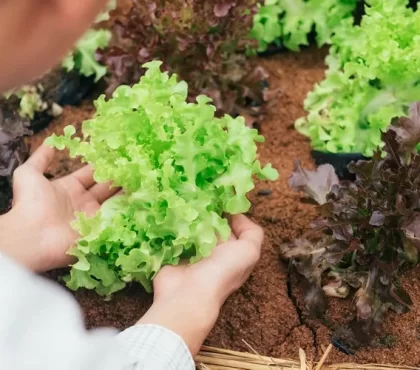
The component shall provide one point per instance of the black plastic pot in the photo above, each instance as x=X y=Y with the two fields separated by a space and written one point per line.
x=5 y=196
x=272 y=49
x=339 y=161
x=62 y=88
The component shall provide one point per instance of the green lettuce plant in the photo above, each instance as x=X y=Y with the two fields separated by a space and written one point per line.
x=30 y=100
x=83 y=57
x=373 y=75
x=289 y=22
x=180 y=169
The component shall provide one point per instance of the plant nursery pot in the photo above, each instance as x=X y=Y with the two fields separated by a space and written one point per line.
x=339 y=161
x=63 y=88
x=272 y=49
x=5 y=195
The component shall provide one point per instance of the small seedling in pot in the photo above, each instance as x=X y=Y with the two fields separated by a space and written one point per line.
x=368 y=231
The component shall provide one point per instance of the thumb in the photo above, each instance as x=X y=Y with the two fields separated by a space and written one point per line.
x=41 y=159
x=246 y=230
x=26 y=174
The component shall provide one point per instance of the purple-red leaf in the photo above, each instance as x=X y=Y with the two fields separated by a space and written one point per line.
x=315 y=184
x=371 y=226
x=13 y=151
x=203 y=42
x=367 y=170
x=363 y=305
x=377 y=219
x=342 y=232
x=222 y=10
x=400 y=295
x=404 y=135
x=315 y=302
x=411 y=228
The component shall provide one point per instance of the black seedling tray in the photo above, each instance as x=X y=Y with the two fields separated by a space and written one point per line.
x=70 y=89
x=272 y=49
x=339 y=161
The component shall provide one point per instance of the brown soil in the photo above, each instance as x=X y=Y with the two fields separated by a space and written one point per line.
x=265 y=312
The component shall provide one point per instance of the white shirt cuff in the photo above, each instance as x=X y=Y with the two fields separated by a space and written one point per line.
x=154 y=347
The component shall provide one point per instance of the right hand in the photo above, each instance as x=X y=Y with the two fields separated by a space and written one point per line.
x=188 y=298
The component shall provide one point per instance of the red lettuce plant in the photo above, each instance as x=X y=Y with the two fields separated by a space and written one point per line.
x=13 y=151
x=367 y=231
x=203 y=42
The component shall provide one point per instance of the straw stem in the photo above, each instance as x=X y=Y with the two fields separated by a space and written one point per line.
x=222 y=359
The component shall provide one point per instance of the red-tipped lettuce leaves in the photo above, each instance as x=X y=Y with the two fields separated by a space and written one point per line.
x=13 y=150
x=373 y=225
x=315 y=184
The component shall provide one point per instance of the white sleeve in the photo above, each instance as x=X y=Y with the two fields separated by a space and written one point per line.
x=153 y=347
x=41 y=328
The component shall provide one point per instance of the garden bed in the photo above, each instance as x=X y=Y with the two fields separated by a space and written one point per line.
x=266 y=312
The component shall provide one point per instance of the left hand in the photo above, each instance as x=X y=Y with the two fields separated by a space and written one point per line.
x=37 y=231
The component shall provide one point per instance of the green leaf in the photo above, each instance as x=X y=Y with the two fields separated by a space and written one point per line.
x=372 y=78
x=30 y=101
x=83 y=58
x=290 y=22
x=180 y=169
x=104 y=15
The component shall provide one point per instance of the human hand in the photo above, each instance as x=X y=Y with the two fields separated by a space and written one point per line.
x=37 y=231
x=188 y=298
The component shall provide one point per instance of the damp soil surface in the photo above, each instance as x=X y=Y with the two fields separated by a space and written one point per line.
x=267 y=312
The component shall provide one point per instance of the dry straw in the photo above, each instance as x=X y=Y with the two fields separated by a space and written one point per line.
x=221 y=359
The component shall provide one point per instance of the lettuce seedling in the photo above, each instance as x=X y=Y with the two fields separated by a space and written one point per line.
x=83 y=57
x=30 y=100
x=373 y=76
x=370 y=228
x=180 y=170
x=290 y=22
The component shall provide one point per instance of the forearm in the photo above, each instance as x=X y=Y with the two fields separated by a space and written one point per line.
x=188 y=315
x=49 y=333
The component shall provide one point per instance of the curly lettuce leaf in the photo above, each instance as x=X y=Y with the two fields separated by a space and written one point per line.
x=373 y=76
x=180 y=168
x=289 y=22
x=83 y=58
x=104 y=15
x=30 y=100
